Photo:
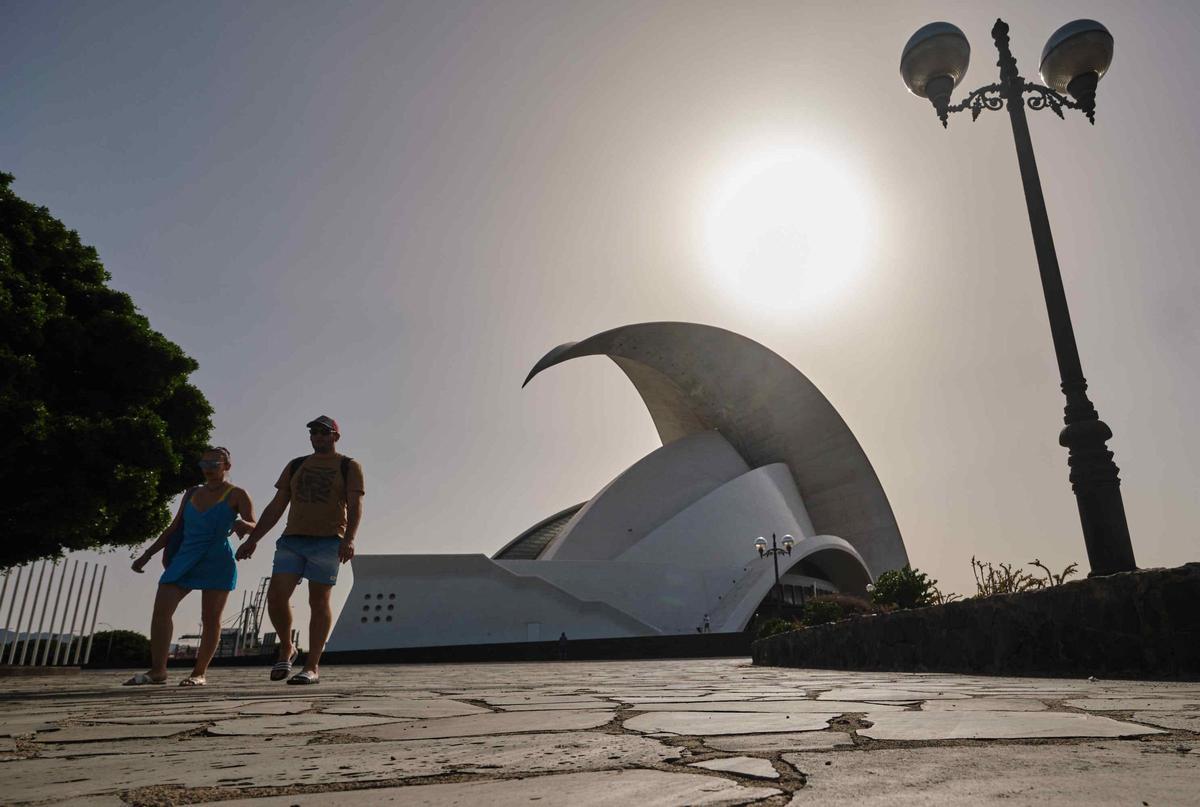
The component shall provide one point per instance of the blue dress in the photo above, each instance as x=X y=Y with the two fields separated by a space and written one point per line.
x=205 y=559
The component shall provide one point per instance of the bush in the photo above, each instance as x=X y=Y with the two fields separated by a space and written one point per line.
x=774 y=626
x=906 y=588
x=819 y=611
x=127 y=647
x=1005 y=578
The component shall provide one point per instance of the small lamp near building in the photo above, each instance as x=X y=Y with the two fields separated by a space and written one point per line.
x=783 y=548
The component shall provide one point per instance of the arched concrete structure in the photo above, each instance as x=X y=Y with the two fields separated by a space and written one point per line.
x=750 y=447
x=696 y=378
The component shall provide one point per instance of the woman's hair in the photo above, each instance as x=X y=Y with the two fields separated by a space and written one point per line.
x=222 y=450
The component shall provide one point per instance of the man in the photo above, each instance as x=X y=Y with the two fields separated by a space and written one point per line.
x=325 y=491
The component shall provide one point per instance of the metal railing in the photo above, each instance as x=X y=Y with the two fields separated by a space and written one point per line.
x=33 y=639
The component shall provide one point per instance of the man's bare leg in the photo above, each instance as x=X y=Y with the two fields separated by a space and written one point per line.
x=319 y=623
x=279 y=608
x=212 y=603
x=162 y=627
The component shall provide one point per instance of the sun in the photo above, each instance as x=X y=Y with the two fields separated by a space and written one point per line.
x=787 y=229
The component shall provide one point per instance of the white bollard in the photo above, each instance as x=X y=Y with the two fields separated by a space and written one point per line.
x=8 y=634
x=87 y=654
x=58 y=648
x=12 y=652
x=75 y=614
x=62 y=578
x=37 y=637
x=86 y=609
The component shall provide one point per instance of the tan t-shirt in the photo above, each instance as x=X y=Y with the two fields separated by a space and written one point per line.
x=318 y=506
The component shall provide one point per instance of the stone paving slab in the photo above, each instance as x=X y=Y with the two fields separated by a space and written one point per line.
x=491 y=723
x=1188 y=721
x=776 y=707
x=767 y=743
x=696 y=723
x=1134 y=704
x=1101 y=774
x=414 y=708
x=115 y=731
x=981 y=705
x=596 y=733
x=995 y=726
x=608 y=789
x=297 y=724
x=753 y=767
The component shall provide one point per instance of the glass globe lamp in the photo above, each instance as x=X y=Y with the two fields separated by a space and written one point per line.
x=934 y=61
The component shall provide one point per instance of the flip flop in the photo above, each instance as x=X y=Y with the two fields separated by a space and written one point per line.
x=305 y=677
x=194 y=681
x=141 y=679
x=283 y=669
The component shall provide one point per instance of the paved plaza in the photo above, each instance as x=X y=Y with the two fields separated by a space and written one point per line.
x=702 y=731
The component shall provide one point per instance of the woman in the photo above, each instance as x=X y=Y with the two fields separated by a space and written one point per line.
x=198 y=557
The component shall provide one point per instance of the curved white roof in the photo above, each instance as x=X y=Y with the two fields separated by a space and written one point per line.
x=697 y=378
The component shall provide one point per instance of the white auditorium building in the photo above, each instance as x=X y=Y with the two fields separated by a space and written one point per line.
x=750 y=448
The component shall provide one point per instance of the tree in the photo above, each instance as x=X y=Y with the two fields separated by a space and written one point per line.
x=101 y=426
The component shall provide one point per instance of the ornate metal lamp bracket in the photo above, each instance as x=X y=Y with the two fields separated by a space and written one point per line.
x=989 y=97
x=1014 y=89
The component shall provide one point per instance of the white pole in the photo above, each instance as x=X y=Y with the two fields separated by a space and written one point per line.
x=4 y=590
x=75 y=614
x=86 y=610
x=8 y=634
x=58 y=648
x=87 y=654
x=62 y=578
x=12 y=656
x=37 y=637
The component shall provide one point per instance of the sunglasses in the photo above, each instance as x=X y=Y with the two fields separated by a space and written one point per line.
x=211 y=464
x=320 y=430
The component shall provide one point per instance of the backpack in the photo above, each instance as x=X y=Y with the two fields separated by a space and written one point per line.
x=295 y=464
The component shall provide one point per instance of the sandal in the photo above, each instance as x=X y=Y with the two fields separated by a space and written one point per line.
x=305 y=677
x=141 y=679
x=194 y=681
x=283 y=669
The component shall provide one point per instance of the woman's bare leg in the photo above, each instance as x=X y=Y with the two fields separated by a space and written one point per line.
x=212 y=603
x=162 y=627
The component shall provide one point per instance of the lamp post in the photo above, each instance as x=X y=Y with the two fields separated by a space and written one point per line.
x=785 y=548
x=1075 y=57
x=111 y=634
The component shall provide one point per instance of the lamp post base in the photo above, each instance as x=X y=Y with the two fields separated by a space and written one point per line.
x=1094 y=478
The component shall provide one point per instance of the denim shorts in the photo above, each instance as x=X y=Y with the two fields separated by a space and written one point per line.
x=313 y=558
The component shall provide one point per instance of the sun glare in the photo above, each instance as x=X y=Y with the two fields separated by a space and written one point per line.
x=787 y=230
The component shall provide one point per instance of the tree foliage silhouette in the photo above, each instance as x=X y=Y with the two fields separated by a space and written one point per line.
x=101 y=425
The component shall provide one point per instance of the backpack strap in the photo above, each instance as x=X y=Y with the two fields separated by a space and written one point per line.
x=295 y=464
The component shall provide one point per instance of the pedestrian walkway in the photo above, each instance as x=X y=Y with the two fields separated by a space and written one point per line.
x=704 y=731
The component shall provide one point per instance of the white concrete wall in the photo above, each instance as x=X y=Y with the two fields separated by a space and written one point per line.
x=651 y=491
x=671 y=598
x=718 y=531
x=463 y=599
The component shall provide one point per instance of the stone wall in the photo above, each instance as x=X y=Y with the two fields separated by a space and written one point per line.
x=1143 y=624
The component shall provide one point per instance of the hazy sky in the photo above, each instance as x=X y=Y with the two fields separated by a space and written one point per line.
x=388 y=212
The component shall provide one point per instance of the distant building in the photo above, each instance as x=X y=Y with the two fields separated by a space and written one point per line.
x=750 y=448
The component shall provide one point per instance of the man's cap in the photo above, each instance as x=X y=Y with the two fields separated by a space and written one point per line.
x=327 y=422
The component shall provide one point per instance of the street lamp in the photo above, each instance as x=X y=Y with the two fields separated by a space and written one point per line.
x=1075 y=57
x=111 y=634
x=784 y=548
